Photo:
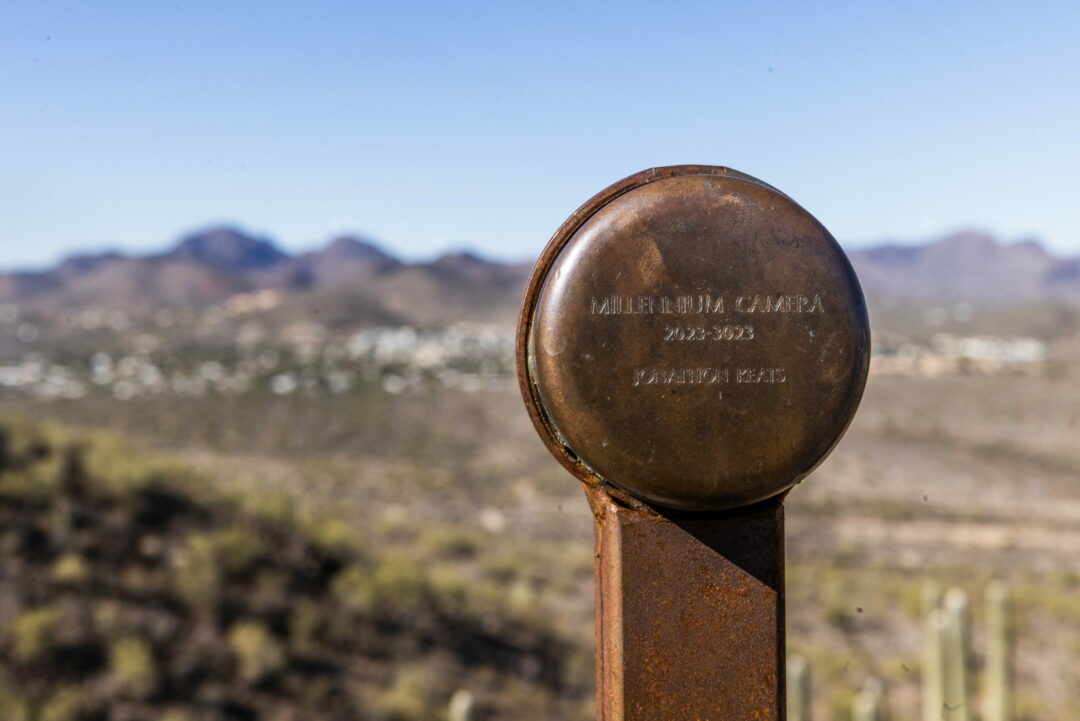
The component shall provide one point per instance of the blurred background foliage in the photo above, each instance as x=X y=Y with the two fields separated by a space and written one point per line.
x=141 y=592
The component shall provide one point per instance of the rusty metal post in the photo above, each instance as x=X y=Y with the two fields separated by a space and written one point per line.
x=692 y=345
x=690 y=613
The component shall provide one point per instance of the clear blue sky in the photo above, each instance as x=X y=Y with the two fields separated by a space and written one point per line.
x=444 y=125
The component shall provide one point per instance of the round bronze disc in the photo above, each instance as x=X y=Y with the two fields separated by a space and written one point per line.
x=694 y=337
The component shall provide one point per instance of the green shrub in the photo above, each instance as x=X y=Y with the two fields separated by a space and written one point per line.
x=64 y=706
x=353 y=588
x=34 y=632
x=307 y=622
x=108 y=618
x=207 y=557
x=523 y=595
x=197 y=578
x=334 y=536
x=12 y=705
x=236 y=549
x=112 y=462
x=271 y=505
x=258 y=654
x=70 y=568
x=450 y=542
x=404 y=700
x=451 y=589
x=132 y=667
x=396 y=587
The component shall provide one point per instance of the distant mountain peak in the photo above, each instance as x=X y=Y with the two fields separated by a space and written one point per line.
x=966 y=245
x=227 y=248
x=356 y=248
x=968 y=237
x=977 y=242
x=1031 y=245
x=969 y=265
x=460 y=259
x=83 y=262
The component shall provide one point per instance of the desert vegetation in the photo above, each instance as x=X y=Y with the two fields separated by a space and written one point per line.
x=304 y=502
x=133 y=590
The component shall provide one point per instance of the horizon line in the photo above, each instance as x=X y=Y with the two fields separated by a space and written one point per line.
x=292 y=251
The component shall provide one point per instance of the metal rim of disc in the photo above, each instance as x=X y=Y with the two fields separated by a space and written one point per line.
x=527 y=385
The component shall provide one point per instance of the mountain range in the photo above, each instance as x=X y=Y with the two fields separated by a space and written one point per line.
x=354 y=281
x=349 y=281
x=969 y=266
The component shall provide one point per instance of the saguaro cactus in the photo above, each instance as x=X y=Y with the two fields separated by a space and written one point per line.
x=933 y=673
x=956 y=706
x=998 y=674
x=461 y=706
x=870 y=702
x=931 y=598
x=798 y=689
